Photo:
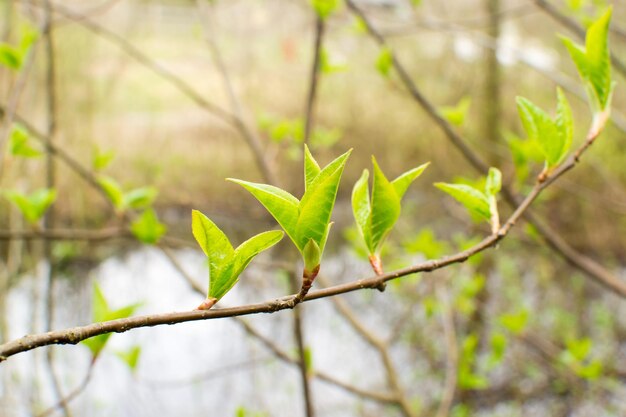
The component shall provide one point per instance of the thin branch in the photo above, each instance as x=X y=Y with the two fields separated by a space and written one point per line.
x=315 y=75
x=65 y=234
x=382 y=347
x=72 y=395
x=452 y=353
x=252 y=139
x=50 y=180
x=298 y=334
x=76 y=334
x=593 y=269
x=277 y=351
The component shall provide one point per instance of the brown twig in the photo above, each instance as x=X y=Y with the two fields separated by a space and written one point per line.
x=393 y=379
x=452 y=353
x=250 y=136
x=591 y=268
x=278 y=352
x=65 y=234
x=314 y=78
x=72 y=395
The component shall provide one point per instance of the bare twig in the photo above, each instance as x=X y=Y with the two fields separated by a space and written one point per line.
x=315 y=72
x=72 y=395
x=593 y=269
x=253 y=140
x=65 y=234
x=277 y=351
x=452 y=353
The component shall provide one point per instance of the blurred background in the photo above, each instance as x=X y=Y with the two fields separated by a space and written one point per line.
x=179 y=95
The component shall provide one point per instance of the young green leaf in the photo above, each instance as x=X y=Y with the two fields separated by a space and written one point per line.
x=147 y=227
x=475 y=201
x=494 y=182
x=130 y=357
x=324 y=8
x=309 y=218
x=384 y=62
x=226 y=263
x=19 y=143
x=113 y=190
x=101 y=312
x=139 y=198
x=10 y=57
x=553 y=136
x=32 y=206
x=362 y=210
x=593 y=62
x=376 y=217
x=101 y=159
x=456 y=114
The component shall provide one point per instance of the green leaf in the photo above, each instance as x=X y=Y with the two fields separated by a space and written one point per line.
x=139 y=198
x=19 y=143
x=280 y=204
x=515 y=322
x=101 y=159
x=32 y=206
x=593 y=62
x=100 y=313
x=311 y=167
x=130 y=357
x=456 y=114
x=402 y=183
x=213 y=242
x=324 y=8
x=564 y=124
x=474 y=200
x=494 y=182
x=113 y=190
x=385 y=206
x=226 y=263
x=384 y=62
x=553 y=136
x=317 y=203
x=240 y=260
x=361 y=209
x=147 y=227
x=376 y=217
x=10 y=57
x=308 y=219
x=312 y=255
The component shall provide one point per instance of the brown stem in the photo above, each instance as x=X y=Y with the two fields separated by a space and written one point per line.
x=314 y=79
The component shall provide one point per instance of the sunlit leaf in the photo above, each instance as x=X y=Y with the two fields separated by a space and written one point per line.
x=593 y=62
x=456 y=114
x=139 y=198
x=32 y=206
x=130 y=357
x=147 y=227
x=474 y=200
x=19 y=143
x=384 y=62
x=112 y=190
